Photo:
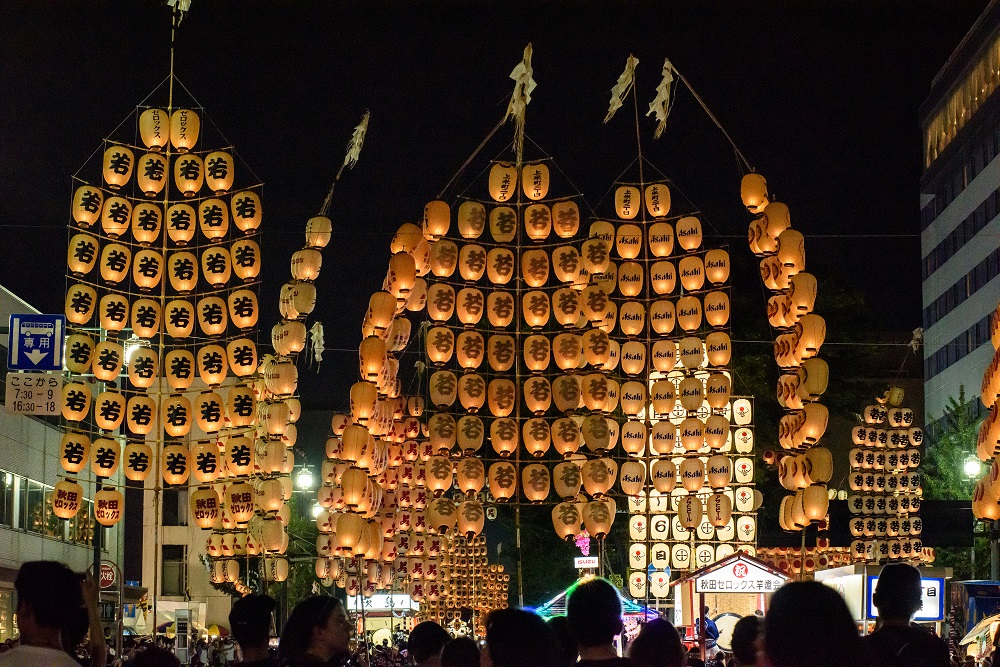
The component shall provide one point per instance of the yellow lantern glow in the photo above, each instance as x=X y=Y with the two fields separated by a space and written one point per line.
x=154 y=128
x=115 y=261
x=213 y=219
x=105 y=455
x=109 y=410
x=717 y=266
x=189 y=174
x=151 y=174
x=535 y=180
x=185 y=126
x=119 y=163
x=753 y=191
x=136 y=461
x=147 y=269
x=657 y=199
x=689 y=313
x=140 y=413
x=537 y=222
x=688 y=231
x=219 y=171
x=566 y=218
x=82 y=254
x=88 y=202
x=67 y=497
x=502 y=181
x=246 y=211
x=74 y=451
x=627 y=202
x=109 y=505
x=179 y=369
x=718 y=348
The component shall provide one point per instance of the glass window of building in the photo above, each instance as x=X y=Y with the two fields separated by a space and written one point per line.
x=173 y=569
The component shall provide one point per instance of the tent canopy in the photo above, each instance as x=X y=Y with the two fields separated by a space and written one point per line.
x=557 y=605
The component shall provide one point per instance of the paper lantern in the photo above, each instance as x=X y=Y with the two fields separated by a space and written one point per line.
x=145 y=318
x=657 y=198
x=567 y=520
x=815 y=502
x=210 y=411
x=216 y=266
x=598 y=476
x=437 y=219
x=689 y=313
x=185 y=126
x=213 y=219
x=119 y=162
x=147 y=220
x=692 y=272
x=753 y=191
x=212 y=364
x=245 y=209
x=154 y=129
x=503 y=181
x=109 y=503
x=791 y=251
x=598 y=517
x=82 y=254
x=147 y=269
x=502 y=481
x=717 y=309
x=241 y=355
x=74 y=451
x=67 y=497
x=719 y=471
x=535 y=482
x=219 y=171
x=136 y=461
x=537 y=222
x=632 y=477
x=151 y=175
x=688 y=232
x=176 y=413
x=75 y=401
x=720 y=509
x=717 y=390
x=663 y=475
x=115 y=262
x=718 y=348
x=88 y=202
x=633 y=398
x=689 y=511
x=664 y=355
x=109 y=410
x=189 y=174
x=692 y=474
x=105 y=454
x=140 y=413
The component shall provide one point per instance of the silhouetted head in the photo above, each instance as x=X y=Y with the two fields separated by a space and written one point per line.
x=519 y=638
x=250 y=620
x=426 y=641
x=460 y=652
x=594 y=612
x=808 y=625
x=897 y=593
x=745 y=639
x=658 y=645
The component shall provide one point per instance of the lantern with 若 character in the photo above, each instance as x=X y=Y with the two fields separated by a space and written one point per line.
x=504 y=434
x=176 y=416
x=243 y=308
x=109 y=410
x=189 y=174
x=137 y=460
x=88 y=202
x=216 y=265
x=210 y=411
x=109 y=503
x=151 y=174
x=105 y=454
x=119 y=162
x=242 y=356
x=140 y=411
x=79 y=352
x=180 y=221
x=147 y=269
x=219 y=171
x=76 y=398
x=116 y=260
x=213 y=219
x=82 y=254
x=175 y=464
x=67 y=497
x=246 y=211
x=115 y=216
x=246 y=259
x=145 y=318
x=502 y=481
x=471 y=219
x=74 y=451
x=567 y=520
x=598 y=516
x=147 y=220
x=182 y=271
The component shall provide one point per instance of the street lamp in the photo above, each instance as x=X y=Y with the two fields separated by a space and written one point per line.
x=972 y=467
x=304 y=479
x=316 y=509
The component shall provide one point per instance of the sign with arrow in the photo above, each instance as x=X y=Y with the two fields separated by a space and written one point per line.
x=36 y=342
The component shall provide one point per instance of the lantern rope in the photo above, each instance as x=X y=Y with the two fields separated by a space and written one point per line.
x=745 y=166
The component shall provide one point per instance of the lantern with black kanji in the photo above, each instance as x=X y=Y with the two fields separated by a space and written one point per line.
x=119 y=162
x=105 y=454
x=145 y=318
x=109 y=410
x=136 y=460
x=74 y=451
x=151 y=174
x=212 y=364
x=216 y=265
x=246 y=211
x=176 y=414
x=206 y=507
x=175 y=463
x=140 y=414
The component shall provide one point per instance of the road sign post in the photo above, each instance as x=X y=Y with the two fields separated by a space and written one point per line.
x=36 y=342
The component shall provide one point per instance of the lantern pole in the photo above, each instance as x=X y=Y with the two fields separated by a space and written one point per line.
x=802 y=555
x=518 y=376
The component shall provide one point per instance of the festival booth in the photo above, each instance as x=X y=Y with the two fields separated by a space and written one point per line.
x=633 y=614
x=856 y=584
x=382 y=616
x=735 y=586
x=973 y=610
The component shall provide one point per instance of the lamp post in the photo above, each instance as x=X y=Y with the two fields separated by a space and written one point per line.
x=972 y=468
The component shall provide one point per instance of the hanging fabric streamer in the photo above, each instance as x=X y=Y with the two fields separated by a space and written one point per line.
x=316 y=340
x=182 y=8
x=625 y=82
x=523 y=85
x=357 y=141
x=660 y=106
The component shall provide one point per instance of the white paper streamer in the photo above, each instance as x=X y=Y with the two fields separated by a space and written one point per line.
x=357 y=141
x=519 y=100
x=625 y=82
x=660 y=106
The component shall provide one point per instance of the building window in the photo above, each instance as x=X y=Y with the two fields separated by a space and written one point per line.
x=174 y=570
x=175 y=506
x=6 y=501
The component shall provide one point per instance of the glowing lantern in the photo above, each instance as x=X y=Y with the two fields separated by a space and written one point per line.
x=179 y=368
x=146 y=222
x=246 y=211
x=535 y=482
x=109 y=410
x=664 y=475
x=88 y=202
x=212 y=364
x=567 y=520
x=105 y=454
x=115 y=261
x=688 y=231
x=692 y=272
x=692 y=474
x=182 y=271
x=534 y=267
x=216 y=266
x=219 y=171
x=145 y=318
x=536 y=308
x=791 y=251
x=141 y=414
x=689 y=511
x=537 y=437
x=598 y=516
x=74 y=451
x=109 y=505
x=664 y=355
x=150 y=176
x=535 y=181
x=503 y=434
x=82 y=254
x=189 y=174
x=184 y=128
x=137 y=458
x=718 y=348
x=537 y=222
x=657 y=199
x=719 y=471
x=595 y=255
x=437 y=219
x=689 y=313
x=119 y=163
x=212 y=316
x=503 y=181
x=628 y=241
x=717 y=390
x=632 y=477
x=500 y=396
x=213 y=219
x=210 y=411
x=75 y=401
x=633 y=398
x=502 y=481
x=720 y=509
x=633 y=356
x=176 y=412
x=239 y=455
x=627 y=202
x=598 y=476
x=147 y=269
x=154 y=129
x=753 y=191
x=67 y=497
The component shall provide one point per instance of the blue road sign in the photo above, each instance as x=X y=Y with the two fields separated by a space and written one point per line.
x=36 y=342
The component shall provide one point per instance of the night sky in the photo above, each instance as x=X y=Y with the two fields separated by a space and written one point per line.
x=821 y=97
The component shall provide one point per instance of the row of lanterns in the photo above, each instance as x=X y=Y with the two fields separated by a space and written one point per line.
x=796 y=348
x=986 y=495
x=885 y=487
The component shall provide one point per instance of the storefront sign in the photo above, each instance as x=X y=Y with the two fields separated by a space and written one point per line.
x=932 y=599
x=586 y=562
x=740 y=576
